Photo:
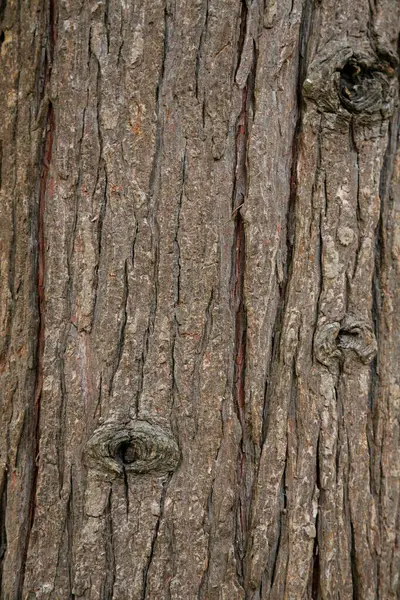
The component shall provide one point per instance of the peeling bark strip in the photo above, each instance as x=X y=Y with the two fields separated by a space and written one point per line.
x=199 y=300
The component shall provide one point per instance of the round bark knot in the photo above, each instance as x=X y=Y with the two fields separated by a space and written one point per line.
x=363 y=87
x=352 y=81
x=136 y=446
x=351 y=338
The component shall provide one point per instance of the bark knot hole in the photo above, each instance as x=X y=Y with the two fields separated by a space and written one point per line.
x=352 y=337
x=361 y=86
x=134 y=446
x=127 y=453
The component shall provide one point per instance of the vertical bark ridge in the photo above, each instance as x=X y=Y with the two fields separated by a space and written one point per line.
x=152 y=199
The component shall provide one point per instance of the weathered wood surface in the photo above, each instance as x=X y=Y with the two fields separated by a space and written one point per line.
x=200 y=306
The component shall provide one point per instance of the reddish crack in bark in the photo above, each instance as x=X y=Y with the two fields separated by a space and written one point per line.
x=45 y=188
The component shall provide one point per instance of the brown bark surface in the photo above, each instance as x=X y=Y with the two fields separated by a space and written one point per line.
x=200 y=305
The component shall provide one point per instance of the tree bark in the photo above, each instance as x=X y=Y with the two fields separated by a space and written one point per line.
x=200 y=306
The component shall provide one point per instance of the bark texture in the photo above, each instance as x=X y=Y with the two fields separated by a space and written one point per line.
x=200 y=305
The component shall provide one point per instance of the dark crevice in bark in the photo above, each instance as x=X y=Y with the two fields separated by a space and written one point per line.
x=133 y=244
x=155 y=537
x=246 y=452
x=354 y=149
x=100 y=223
x=239 y=394
x=97 y=410
x=154 y=180
x=107 y=24
x=316 y=571
x=200 y=48
x=121 y=337
x=126 y=488
x=48 y=146
x=3 y=532
x=62 y=420
x=278 y=536
x=101 y=166
x=177 y=231
x=348 y=517
x=47 y=149
x=70 y=537
x=3 y=6
x=353 y=562
x=107 y=591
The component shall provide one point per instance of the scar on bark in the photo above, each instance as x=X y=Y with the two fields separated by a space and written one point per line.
x=136 y=446
x=335 y=340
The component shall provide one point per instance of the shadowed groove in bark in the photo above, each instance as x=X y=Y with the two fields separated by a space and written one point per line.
x=47 y=150
x=316 y=571
x=3 y=6
x=246 y=451
x=50 y=126
x=200 y=51
x=110 y=575
x=3 y=533
x=177 y=268
x=121 y=337
x=70 y=535
x=155 y=536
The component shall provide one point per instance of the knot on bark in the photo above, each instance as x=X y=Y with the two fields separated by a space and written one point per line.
x=350 y=81
x=135 y=446
x=351 y=337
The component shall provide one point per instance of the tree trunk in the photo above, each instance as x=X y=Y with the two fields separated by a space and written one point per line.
x=200 y=305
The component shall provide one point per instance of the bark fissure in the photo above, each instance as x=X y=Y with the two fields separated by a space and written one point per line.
x=110 y=575
x=246 y=453
x=101 y=164
x=121 y=336
x=155 y=537
x=200 y=49
x=3 y=531
x=50 y=126
x=46 y=157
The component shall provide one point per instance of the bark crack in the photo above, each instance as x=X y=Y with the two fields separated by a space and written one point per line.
x=110 y=576
x=121 y=337
x=155 y=537
x=47 y=150
x=240 y=183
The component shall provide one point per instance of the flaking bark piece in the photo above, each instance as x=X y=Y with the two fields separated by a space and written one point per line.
x=136 y=446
